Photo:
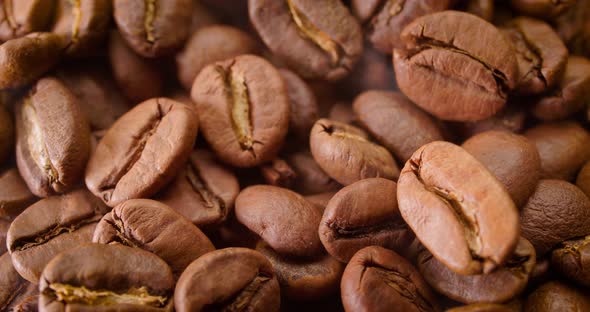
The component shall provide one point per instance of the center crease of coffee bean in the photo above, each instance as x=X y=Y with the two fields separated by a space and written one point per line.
x=393 y=8
x=341 y=133
x=242 y=300
x=573 y=248
x=77 y=12
x=343 y=231
x=148 y=23
x=516 y=264
x=403 y=285
x=22 y=285
x=211 y=200
x=529 y=52
x=80 y=294
x=119 y=227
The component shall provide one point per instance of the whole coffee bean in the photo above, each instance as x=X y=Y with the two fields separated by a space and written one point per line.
x=208 y=45
x=345 y=153
x=204 y=191
x=304 y=280
x=137 y=156
x=4 y=226
x=15 y=196
x=97 y=277
x=21 y=17
x=499 y=286
x=282 y=218
x=510 y=119
x=231 y=279
x=556 y=211
x=570 y=95
x=155 y=227
x=572 y=259
x=556 y=296
x=13 y=288
x=395 y=122
x=318 y=39
x=311 y=179
x=50 y=226
x=512 y=158
x=564 y=148
x=6 y=134
x=377 y=279
x=84 y=23
x=545 y=9
x=304 y=106
x=540 y=53
x=243 y=109
x=278 y=173
x=384 y=20
x=52 y=138
x=436 y=46
x=459 y=211
x=363 y=214
x=25 y=59
x=155 y=27
x=138 y=78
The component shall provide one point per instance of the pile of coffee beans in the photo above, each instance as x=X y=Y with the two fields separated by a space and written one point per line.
x=295 y=155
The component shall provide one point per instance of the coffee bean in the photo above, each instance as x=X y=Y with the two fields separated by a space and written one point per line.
x=13 y=288
x=541 y=8
x=4 y=226
x=583 y=179
x=21 y=17
x=321 y=200
x=342 y=112
x=511 y=119
x=572 y=26
x=278 y=173
x=15 y=196
x=556 y=296
x=572 y=259
x=310 y=178
x=373 y=71
x=483 y=307
x=6 y=134
x=304 y=106
x=482 y=8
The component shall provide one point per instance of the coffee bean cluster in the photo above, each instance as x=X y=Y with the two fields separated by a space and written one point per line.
x=295 y=155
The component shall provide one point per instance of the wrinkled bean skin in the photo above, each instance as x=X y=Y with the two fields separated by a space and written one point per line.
x=21 y=17
x=572 y=259
x=15 y=195
x=556 y=296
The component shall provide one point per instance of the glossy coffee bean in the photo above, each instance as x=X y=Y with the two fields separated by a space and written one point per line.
x=228 y=279
x=243 y=109
x=345 y=153
x=50 y=226
x=364 y=214
x=52 y=138
x=556 y=296
x=97 y=277
x=6 y=134
x=377 y=279
x=304 y=106
x=459 y=211
x=137 y=157
x=21 y=17
x=436 y=46
x=572 y=259
x=13 y=288
x=15 y=196
x=310 y=178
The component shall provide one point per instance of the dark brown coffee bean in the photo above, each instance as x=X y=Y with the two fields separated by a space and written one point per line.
x=540 y=53
x=50 y=226
x=13 y=288
x=384 y=20
x=501 y=285
x=137 y=156
x=557 y=296
x=21 y=17
x=282 y=218
x=345 y=153
x=572 y=26
x=25 y=59
x=302 y=279
x=460 y=212
x=564 y=148
x=243 y=109
x=232 y=233
x=449 y=68
x=153 y=28
x=97 y=277
x=311 y=179
x=208 y=45
x=583 y=180
x=395 y=122
x=204 y=191
x=6 y=134
x=570 y=95
x=304 y=107
x=14 y=194
x=541 y=8
x=232 y=279
x=4 y=226
x=53 y=138
x=317 y=39
x=572 y=259
x=363 y=214
x=377 y=279
x=278 y=173
x=557 y=211
x=512 y=158
x=202 y=16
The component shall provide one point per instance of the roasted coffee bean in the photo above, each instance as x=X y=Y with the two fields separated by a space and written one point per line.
x=572 y=26
x=541 y=8
x=202 y=16
x=29 y=303
x=317 y=39
x=501 y=285
x=455 y=66
x=341 y=111
x=97 y=277
x=282 y=218
x=6 y=134
x=25 y=59
x=204 y=191
x=243 y=109
x=320 y=200
x=345 y=153
x=13 y=288
x=556 y=211
x=364 y=214
x=377 y=279
x=229 y=279
x=50 y=226
x=540 y=53
x=564 y=148
x=211 y=44
x=384 y=20
x=4 y=226
x=459 y=211
x=278 y=173
x=570 y=95
x=583 y=180
x=21 y=17
x=556 y=296
x=512 y=158
x=304 y=107
x=311 y=179
x=572 y=259
x=153 y=28
x=52 y=138
x=14 y=194
x=373 y=71
x=142 y=151
x=510 y=119
x=395 y=122
x=481 y=8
